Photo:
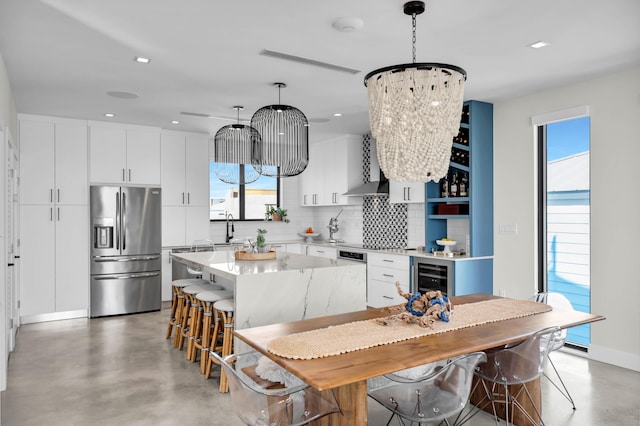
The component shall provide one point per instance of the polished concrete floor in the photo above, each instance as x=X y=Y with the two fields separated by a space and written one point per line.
x=121 y=371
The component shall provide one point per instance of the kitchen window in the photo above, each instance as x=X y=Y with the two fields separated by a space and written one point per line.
x=243 y=202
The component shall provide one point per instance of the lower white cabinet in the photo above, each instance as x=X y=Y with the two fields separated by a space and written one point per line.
x=320 y=251
x=54 y=261
x=383 y=271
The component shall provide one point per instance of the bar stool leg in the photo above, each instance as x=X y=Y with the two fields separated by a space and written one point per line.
x=227 y=346
x=213 y=346
x=189 y=313
x=194 y=332
x=180 y=310
x=172 y=317
x=205 y=341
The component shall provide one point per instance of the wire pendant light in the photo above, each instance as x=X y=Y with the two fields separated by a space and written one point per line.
x=232 y=152
x=284 y=149
x=415 y=111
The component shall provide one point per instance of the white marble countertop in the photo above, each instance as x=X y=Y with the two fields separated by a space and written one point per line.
x=223 y=263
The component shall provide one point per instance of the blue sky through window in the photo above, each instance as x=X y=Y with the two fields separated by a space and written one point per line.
x=565 y=138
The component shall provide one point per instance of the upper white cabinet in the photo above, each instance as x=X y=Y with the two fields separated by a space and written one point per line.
x=185 y=169
x=185 y=187
x=335 y=166
x=406 y=192
x=124 y=154
x=53 y=161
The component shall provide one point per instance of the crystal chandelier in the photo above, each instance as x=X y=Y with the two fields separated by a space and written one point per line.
x=415 y=112
x=232 y=152
x=284 y=148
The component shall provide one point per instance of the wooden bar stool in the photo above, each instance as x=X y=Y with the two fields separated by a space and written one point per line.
x=201 y=341
x=190 y=311
x=225 y=310
x=177 y=302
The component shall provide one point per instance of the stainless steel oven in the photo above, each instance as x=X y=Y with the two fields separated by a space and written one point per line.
x=433 y=274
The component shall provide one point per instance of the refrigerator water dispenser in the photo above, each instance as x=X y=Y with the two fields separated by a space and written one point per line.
x=102 y=232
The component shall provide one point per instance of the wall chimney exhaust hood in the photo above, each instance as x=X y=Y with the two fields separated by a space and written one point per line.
x=378 y=183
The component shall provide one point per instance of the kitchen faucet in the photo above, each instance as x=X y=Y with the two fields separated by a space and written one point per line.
x=229 y=218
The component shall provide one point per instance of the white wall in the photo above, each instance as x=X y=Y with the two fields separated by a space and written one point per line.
x=614 y=104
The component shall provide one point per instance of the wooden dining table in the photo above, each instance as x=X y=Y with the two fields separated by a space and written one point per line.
x=346 y=374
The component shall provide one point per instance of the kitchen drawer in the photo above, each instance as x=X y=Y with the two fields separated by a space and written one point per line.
x=328 y=252
x=381 y=294
x=389 y=275
x=387 y=260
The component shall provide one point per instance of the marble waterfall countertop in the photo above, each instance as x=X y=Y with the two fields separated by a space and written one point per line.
x=290 y=287
x=224 y=264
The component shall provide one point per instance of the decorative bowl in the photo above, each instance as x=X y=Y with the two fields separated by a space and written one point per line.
x=446 y=244
x=308 y=237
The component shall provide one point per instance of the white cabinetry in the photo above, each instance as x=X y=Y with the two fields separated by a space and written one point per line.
x=383 y=271
x=124 y=154
x=334 y=167
x=167 y=273
x=185 y=188
x=320 y=251
x=406 y=192
x=54 y=215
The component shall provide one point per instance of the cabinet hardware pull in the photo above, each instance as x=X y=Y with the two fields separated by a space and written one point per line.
x=129 y=175
x=123 y=177
x=304 y=199
x=51 y=195
x=58 y=195
x=387 y=297
x=404 y=193
x=58 y=214
x=183 y=198
x=408 y=194
x=388 y=260
x=51 y=214
x=188 y=198
x=387 y=275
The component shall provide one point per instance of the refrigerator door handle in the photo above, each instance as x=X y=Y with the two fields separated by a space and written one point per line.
x=125 y=259
x=124 y=221
x=117 y=220
x=126 y=276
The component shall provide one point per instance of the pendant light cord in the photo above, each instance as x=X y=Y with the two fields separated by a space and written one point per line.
x=413 y=40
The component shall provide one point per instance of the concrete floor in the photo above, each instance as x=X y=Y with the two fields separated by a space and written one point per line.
x=121 y=371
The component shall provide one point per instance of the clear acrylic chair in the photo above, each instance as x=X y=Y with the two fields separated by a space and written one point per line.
x=433 y=398
x=557 y=301
x=262 y=402
x=513 y=365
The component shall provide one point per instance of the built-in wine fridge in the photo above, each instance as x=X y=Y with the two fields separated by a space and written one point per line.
x=433 y=274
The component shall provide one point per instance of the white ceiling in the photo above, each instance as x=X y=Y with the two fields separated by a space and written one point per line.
x=63 y=56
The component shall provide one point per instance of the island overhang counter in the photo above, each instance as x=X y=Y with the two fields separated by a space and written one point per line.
x=290 y=287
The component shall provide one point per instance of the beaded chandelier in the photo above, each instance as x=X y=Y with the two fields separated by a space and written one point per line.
x=415 y=112
x=232 y=152
x=284 y=148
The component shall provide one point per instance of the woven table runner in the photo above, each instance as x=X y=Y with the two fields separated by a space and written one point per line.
x=358 y=335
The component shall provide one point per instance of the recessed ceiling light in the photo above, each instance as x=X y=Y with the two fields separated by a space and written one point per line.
x=347 y=24
x=141 y=59
x=108 y=114
x=175 y=122
x=538 y=44
x=337 y=114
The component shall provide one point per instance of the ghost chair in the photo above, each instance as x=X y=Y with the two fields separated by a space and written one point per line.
x=433 y=398
x=263 y=393
x=505 y=375
x=557 y=301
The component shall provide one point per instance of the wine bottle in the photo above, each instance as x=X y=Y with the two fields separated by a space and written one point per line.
x=454 y=185
x=444 y=189
x=463 y=185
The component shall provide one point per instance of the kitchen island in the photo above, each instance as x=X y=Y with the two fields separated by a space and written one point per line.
x=288 y=288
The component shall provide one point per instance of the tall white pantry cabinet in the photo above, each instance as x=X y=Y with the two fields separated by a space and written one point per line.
x=53 y=218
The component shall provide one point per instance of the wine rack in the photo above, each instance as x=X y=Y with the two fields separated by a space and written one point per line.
x=467 y=190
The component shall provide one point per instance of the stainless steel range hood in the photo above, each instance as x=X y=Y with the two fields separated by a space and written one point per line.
x=378 y=183
x=372 y=188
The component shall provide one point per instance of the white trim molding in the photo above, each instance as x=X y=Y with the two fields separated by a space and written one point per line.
x=614 y=357
x=565 y=114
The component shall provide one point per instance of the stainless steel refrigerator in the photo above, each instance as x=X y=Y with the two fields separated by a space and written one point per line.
x=125 y=250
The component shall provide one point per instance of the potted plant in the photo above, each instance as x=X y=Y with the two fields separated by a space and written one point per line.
x=277 y=214
x=260 y=242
